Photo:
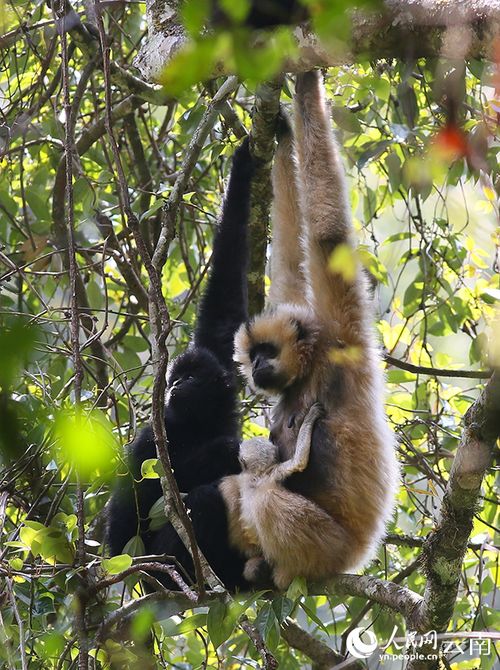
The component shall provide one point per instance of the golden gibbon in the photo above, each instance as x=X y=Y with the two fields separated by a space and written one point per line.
x=315 y=343
x=293 y=534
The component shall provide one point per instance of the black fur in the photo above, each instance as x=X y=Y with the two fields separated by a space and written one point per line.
x=201 y=417
x=263 y=14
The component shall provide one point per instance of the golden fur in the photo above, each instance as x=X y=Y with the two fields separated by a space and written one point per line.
x=293 y=534
x=320 y=323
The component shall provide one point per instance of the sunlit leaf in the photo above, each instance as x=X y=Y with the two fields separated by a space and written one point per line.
x=343 y=262
x=117 y=564
x=86 y=441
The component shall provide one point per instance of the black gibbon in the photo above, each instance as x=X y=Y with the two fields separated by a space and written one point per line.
x=263 y=14
x=201 y=416
x=315 y=343
x=293 y=534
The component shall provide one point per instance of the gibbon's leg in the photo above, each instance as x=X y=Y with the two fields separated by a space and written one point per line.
x=208 y=513
x=259 y=573
x=300 y=459
x=298 y=537
x=337 y=298
x=224 y=304
x=287 y=275
x=129 y=505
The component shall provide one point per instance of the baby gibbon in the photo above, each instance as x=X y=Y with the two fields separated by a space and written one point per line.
x=293 y=534
x=315 y=343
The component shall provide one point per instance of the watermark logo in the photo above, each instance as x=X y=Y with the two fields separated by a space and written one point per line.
x=357 y=647
x=362 y=643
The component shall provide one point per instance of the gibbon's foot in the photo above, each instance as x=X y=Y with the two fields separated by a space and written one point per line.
x=282 y=579
x=316 y=411
x=258 y=572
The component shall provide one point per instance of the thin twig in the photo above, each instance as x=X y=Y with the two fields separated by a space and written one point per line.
x=437 y=372
x=17 y=616
x=81 y=625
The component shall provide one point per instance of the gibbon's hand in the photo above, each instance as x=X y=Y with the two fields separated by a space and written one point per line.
x=244 y=163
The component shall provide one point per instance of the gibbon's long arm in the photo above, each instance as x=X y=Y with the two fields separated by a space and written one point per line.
x=337 y=298
x=224 y=304
x=287 y=274
x=300 y=459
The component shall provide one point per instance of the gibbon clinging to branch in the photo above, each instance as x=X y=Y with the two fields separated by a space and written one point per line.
x=293 y=534
x=315 y=343
x=201 y=412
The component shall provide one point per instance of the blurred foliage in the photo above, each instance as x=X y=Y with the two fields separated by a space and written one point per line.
x=425 y=201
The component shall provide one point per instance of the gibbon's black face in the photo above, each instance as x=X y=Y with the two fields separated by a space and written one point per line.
x=264 y=359
x=276 y=348
x=198 y=384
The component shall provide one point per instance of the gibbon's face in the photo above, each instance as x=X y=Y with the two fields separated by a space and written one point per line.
x=275 y=349
x=257 y=455
x=196 y=382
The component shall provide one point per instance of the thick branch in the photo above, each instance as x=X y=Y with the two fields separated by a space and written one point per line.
x=445 y=547
x=388 y=594
x=406 y=29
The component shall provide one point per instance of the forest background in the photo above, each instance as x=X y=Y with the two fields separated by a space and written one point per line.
x=110 y=188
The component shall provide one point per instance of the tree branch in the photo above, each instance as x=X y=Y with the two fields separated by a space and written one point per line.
x=191 y=156
x=320 y=653
x=406 y=29
x=264 y=115
x=437 y=372
x=388 y=594
x=444 y=549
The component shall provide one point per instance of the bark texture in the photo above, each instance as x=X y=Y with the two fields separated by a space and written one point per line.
x=264 y=115
x=406 y=29
x=445 y=547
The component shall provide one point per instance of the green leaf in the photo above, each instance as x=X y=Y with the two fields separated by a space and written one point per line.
x=346 y=120
x=194 y=62
x=134 y=547
x=217 y=630
x=412 y=298
x=54 y=546
x=194 y=15
x=297 y=588
x=400 y=376
x=16 y=563
x=397 y=238
x=236 y=10
x=490 y=296
x=282 y=607
x=149 y=468
x=158 y=204
x=192 y=623
x=374 y=266
x=408 y=102
x=393 y=165
x=476 y=67
x=267 y=624
x=86 y=440
x=314 y=618
x=372 y=150
x=117 y=564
